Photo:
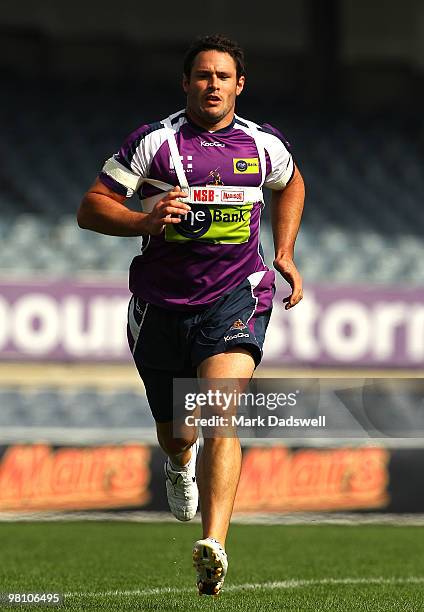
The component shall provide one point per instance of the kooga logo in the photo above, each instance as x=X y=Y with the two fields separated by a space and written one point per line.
x=211 y=144
x=233 y=337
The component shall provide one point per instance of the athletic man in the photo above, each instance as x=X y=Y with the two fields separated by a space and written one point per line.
x=202 y=293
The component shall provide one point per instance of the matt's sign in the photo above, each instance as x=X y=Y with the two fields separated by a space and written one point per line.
x=39 y=477
x=281 y=480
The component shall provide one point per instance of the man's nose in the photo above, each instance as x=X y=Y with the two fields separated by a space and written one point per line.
x=213 y=81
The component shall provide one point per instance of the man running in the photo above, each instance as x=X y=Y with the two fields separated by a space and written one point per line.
x=202 y=294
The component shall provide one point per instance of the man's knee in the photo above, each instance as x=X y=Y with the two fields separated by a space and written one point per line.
x=174 y=440
x=175 y=446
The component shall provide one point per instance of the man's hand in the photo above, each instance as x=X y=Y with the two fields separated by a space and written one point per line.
x=286 y=267
x=165 y=210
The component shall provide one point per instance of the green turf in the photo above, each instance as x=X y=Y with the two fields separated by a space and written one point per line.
x=100 y=557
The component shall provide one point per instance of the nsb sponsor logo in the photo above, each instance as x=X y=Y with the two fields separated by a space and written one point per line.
x=203 y=195
x=247 y=165
x=210 y=195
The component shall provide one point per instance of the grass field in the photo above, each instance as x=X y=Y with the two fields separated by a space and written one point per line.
x=127 y=566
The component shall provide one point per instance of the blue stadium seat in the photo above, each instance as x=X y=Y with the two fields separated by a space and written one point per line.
x=364 y=187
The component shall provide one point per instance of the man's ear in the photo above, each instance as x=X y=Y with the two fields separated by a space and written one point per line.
x=186 y=83
x=240 y=85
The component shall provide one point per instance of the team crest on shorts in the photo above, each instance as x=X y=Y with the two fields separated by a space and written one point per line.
x=238 y=325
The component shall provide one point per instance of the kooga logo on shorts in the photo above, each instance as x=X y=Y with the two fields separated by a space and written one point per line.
x=235 y=336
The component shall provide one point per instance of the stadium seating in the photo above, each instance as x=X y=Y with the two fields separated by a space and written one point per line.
x=382 y=409
x=80 y=408
x=364 y=180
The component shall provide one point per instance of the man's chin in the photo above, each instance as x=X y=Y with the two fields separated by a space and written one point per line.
x=212 y=115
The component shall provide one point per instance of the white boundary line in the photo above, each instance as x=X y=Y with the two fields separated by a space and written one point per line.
x=248 y=586
x=295 y=518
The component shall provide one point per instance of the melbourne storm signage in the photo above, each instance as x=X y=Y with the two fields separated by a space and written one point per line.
x=349 y=325
x=65 y=320
x=73 y=320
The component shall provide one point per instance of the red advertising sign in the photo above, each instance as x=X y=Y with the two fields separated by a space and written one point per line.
x=38 y=477
x=278 y=479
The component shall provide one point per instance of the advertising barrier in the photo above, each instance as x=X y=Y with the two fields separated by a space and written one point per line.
x=274 y=479
x=73 y=320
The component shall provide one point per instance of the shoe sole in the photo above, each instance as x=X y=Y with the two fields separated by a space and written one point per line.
x=208 y=564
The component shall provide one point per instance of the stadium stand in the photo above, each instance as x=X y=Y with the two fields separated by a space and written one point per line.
x=376 y=409
x=73 y=408
x=364 y=182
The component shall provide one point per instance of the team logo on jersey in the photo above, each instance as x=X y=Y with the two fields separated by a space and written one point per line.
x=238 y=325
x=247 y=165
x=187 y=162
x=214 y=178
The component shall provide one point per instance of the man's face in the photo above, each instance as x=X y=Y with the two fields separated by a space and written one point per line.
x=212 y=88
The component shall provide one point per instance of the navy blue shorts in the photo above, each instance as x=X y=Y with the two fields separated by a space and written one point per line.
x=168 y=344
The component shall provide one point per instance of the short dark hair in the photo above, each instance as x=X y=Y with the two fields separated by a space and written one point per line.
x=216 y=42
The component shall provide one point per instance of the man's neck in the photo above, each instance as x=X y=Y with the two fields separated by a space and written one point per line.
x=210 y=127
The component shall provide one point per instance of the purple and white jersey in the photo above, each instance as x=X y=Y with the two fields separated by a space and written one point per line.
x=217 y=245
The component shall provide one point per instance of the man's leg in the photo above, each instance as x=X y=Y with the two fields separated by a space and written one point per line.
x=176 y=439
x=178 y=449
x=219 y=465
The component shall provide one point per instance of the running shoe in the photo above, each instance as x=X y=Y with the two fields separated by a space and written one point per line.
x=181 y=488
x=211 y=563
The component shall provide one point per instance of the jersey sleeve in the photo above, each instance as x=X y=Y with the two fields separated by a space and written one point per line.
x=280 y=163
x=124 y=171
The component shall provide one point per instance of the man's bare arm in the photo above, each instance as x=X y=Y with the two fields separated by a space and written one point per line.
x=102 y=210
x=286 y=213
